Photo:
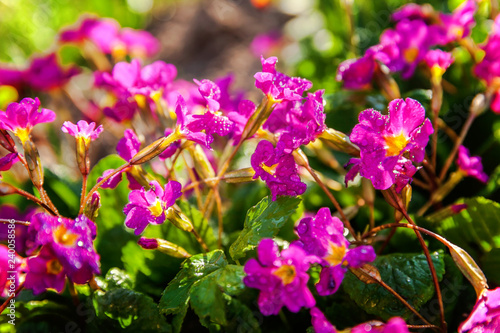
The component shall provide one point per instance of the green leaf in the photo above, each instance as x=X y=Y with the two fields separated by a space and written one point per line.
x=263 y=220
x=176 y=296
x=491 y=265
x=134 y=311
x=200 y=224
x=407 y=274
x=476 y=229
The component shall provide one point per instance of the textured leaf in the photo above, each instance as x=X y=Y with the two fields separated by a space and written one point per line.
x=264 y=220
x=134 y=311
x=407 y=274
x=478 y=224
x=176 y=296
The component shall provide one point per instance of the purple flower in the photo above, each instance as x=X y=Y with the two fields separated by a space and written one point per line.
x=11 y=77
x=438 y=61
x=110 y=39
x=394 y=325
x=459 y=24
x=210 y=92
x=191 y=128
x=83 y=130
x=45 y=271
x=277 y=86
x=389 y=145
x=485 y=317
x=471 y=165
x=7 y=161
x=45 y=73
x=320 y=323
x=11 y=212
x=70 y=241
x=148 y=206
x=240 y=118
x=322 y=236
x=7 y=257
x=281 y=278
x=279 y=171
x=357 y=73
x=21 y=117
x=122 y=110
x=412 y=11
x=266 y=42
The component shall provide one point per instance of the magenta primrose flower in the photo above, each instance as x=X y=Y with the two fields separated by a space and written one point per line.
x=280 y=277
x=148 y=206
x=7 y=161
x=322 y=236
x=83 y=130
x=5 y=270
x=389 y=145
x=277 y=86
x=485 y=317
x=438 y=61
x=320 y=323
x=70 y=241
x=20 y=118
x=471 y=165
x=107 y=35
x=394 y=325
x=45 y=73
x=458 y=24
x=45 y=271
x=278 y=170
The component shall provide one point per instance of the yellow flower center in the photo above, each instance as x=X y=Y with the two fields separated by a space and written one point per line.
x=156 y=209
x=63 y=237
x=54 y=267
x=395 y=144
x=458 y=31
x=410 y=54
x=437 y=71
x=141 y=101
x=119 y=51
x=23 y=134
x=336 y=254
x=269 y=169
x=286 y=273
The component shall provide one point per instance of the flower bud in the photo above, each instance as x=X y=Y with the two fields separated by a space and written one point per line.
x=154 y=149
x=201 y=163
x=239 y=176
x=92 y=206
x=178 y=219
x=340 y=141
x=479 y=104
x=6 y=189
x=34 y=164
x=7 y=142
x=82 y=155
x=164 y=246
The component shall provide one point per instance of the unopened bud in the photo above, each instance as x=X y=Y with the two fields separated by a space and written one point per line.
x=239 y=176
x=6 y=189
x=155 y=148
x=164 y=246
x=82 y=155
x=406 y=194
x=7 y=142
x=178 y=219
x=34 y=164
x=201 y=163
x=479 y=104
x=92 y=206
x=340 y=141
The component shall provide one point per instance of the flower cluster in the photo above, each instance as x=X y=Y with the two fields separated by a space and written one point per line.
x=282 y=278
x=107 y=35
x=65 y=248
x=401 y=49
x=389 y=145
x=295 y=120
x=43 y=73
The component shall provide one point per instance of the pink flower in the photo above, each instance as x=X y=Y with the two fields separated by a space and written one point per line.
x=82 y=129
x=471 y=165
x=485 y=317
x=20 y=118
x=389 y=145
